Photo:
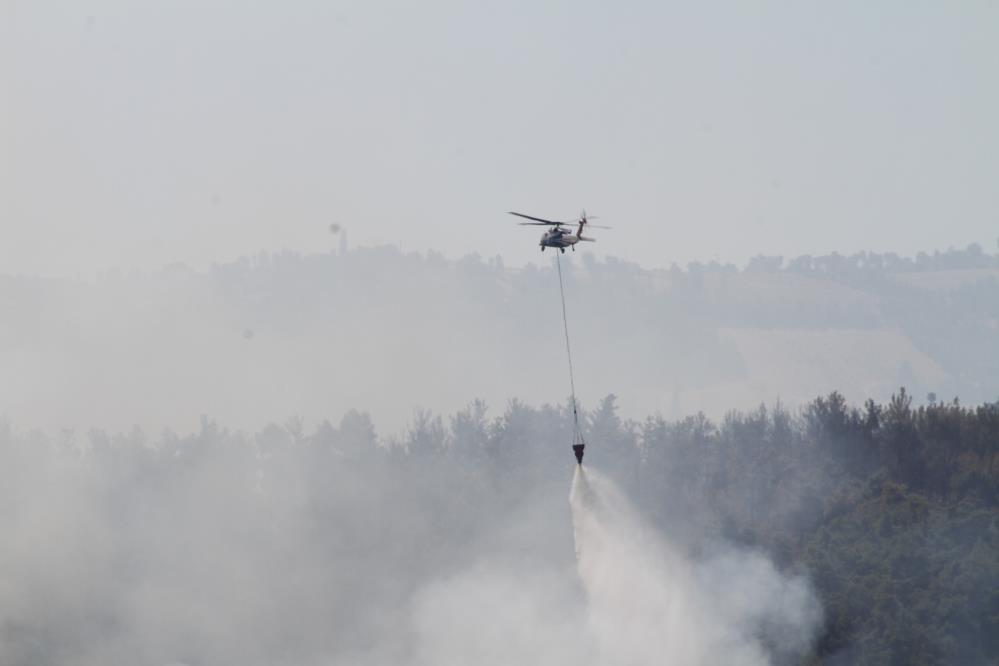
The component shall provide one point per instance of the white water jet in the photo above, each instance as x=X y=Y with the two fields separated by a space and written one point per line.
x=648 y=603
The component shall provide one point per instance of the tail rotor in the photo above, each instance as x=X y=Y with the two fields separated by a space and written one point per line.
x=584 y=222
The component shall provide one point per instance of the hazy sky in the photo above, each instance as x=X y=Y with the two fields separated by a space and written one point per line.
x=141 y=133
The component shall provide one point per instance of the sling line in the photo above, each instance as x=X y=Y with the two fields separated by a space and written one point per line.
x=577 y=433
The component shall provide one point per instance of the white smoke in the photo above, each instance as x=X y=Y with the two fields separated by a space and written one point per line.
x=187 y=558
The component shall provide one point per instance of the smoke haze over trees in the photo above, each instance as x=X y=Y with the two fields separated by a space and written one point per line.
x=452 y=543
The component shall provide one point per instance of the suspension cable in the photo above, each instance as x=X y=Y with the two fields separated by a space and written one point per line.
x=577 y=435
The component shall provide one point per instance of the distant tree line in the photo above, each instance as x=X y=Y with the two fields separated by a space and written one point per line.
x=971 y=257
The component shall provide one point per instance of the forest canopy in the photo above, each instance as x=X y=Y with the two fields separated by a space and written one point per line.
x=891 y=510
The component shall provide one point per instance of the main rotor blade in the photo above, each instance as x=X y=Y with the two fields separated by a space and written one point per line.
x=597 y=226
x=536 y=219
x=538 y=224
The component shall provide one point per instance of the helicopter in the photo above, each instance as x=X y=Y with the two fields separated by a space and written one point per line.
x=557 y=236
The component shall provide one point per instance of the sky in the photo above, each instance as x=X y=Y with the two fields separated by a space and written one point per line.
x=138 y=134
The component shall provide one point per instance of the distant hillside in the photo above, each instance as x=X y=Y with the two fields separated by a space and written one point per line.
x=267 y=337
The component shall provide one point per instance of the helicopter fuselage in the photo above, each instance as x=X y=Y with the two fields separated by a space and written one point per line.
x=559 y=238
